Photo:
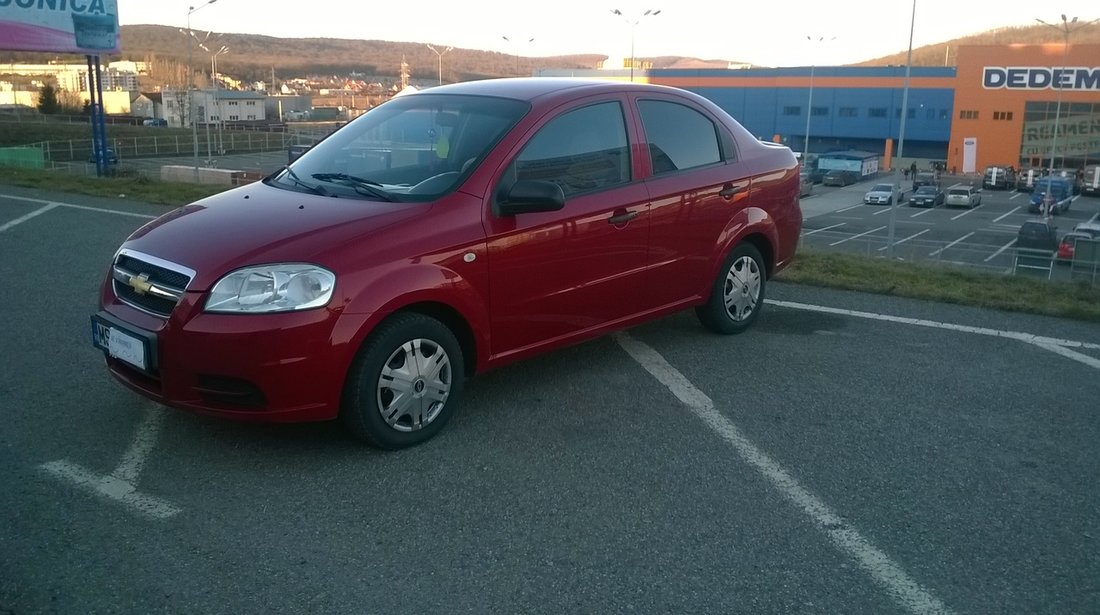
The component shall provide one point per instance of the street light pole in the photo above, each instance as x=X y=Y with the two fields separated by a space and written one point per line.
x=518 y=41
x=901 y=135
x=190 y=84
x=440 y=54
x=633 y=25
x=810 y=104
x=214 y=83
x=1066 y=28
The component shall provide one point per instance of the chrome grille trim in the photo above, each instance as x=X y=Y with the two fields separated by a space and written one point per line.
x=140 y=282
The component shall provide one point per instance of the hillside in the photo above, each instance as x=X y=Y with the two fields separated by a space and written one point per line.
x=944 y=54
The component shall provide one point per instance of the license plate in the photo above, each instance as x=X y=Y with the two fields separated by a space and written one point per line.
x=119 y=344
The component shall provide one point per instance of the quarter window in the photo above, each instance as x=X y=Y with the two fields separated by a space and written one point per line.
x=679 y=137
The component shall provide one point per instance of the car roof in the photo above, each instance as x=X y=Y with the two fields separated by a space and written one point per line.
x=531 y=88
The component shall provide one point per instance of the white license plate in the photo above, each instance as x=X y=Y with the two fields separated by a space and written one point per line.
x=119 y=344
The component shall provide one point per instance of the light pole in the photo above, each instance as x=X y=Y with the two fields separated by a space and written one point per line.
x=190 y=83
x=634 y=24
x=518 y=41
x=214 y=81
x=1066 y=28
x=440 y=54
x=901 y=135
x=810 y=104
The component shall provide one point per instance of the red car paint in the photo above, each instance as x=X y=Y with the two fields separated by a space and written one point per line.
x=509 y=286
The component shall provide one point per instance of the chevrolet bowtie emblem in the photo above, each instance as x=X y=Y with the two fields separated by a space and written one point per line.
x=140 y=283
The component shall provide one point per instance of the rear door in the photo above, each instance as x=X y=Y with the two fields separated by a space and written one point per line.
x=696 y=185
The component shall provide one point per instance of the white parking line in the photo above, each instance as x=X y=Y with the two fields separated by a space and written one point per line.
x=901 y=241
x=52 y=204
x=22 y=219
x=921 y=212
x=840 y=211
x=818 y=230
x=1027 y=338
x=837 y=243
x=1003 y=248
x=965 y=213
x=884 y=571
x=1014 y=210
x=120 y=485
x=1016 y=195
x=883 y=211
x=952 y=244
x=1094 y=217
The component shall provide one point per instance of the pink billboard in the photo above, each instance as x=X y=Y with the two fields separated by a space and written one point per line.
x=64 y=26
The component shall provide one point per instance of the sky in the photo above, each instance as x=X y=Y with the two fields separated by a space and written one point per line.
x=791 y=33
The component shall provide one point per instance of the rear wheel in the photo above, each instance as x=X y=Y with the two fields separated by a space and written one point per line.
x=737 y=294
x=405 y=383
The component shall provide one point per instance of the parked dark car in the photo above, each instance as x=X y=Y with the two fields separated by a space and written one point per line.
x=926 y=178
x=926 y=196
x=837 y=177
x=999 y=177
x=112 y=157
x=1026 y=179
x=507 y=218
x=1038 y=234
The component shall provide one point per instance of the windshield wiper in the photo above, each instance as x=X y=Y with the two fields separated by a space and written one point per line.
x=362 y=185
x=315 y=189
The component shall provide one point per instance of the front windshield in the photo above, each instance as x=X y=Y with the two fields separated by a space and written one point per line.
x=412 y=148
x=882 y=188
x=926 y=190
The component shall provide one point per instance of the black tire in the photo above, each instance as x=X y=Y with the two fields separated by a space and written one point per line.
x=741 y=279
x=375 y=382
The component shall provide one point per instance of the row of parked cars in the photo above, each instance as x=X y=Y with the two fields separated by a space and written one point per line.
x=926 y=195
x=1042 y=234
x=1084 y=181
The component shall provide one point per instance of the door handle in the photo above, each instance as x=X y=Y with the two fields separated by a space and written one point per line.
x=729 y=190
x=623 y=218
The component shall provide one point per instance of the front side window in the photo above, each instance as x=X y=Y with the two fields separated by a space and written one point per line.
x=581 y=150
x=679 y=137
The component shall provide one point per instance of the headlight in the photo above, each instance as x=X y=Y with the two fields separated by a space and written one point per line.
x=272 y=288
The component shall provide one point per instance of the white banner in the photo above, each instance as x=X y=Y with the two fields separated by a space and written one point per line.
x=63 y=26
x=970 y=155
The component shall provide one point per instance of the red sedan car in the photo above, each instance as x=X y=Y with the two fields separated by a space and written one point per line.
x=442 y=234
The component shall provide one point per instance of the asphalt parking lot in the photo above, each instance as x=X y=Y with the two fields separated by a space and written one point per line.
x=983 y=237
x=850 y=454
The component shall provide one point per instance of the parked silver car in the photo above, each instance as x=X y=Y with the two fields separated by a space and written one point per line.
x=881 y=194
x=963 y=196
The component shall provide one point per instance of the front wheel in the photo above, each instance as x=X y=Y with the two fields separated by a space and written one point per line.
x=737 y=294
x=405 y=383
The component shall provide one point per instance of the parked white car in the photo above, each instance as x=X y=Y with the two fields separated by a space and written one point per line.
x=963 y=196
x=881 y=194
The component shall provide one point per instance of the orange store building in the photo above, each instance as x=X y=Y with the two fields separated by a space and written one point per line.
x=1006 y=106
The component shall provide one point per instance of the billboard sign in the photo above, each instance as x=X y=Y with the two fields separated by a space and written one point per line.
x=62 y=26
x=1038 y=78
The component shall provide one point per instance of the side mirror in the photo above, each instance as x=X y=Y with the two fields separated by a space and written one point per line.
x=528 y=196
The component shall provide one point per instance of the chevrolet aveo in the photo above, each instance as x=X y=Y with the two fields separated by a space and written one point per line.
x=442 y=234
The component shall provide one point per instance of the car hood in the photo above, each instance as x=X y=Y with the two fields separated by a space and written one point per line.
x=259 y=224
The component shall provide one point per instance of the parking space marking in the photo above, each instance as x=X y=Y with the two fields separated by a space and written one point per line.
x=1002 y=249
x=965 y=212
x=901 y=241
x=1014 y=210
x=1015 y=195
x=1047 y=343
x=52 y=204
x=883 y=211
x=921 y=212
x=121 y=485
x=883 y=570
x=837 y=243
x=840 y=211
x=22 y=219
x=808 y=233
x=950 y=245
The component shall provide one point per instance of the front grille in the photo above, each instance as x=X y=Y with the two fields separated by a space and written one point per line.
x=149 y=284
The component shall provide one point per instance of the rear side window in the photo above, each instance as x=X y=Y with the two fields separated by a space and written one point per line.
x=679 y=137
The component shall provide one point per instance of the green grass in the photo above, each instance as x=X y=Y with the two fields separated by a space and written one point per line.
x=27 y=132
x=136 y=188
x=948 y=284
